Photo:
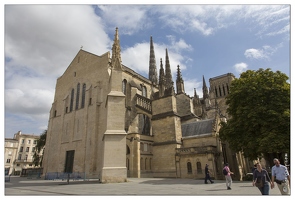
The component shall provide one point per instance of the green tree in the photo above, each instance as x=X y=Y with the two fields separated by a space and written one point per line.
x=38 y=148
x=259 y=110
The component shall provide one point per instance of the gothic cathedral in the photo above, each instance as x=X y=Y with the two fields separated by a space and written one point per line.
x=112 y=123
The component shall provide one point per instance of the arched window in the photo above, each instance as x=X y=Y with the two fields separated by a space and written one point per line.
x=219 y=91
x=83 y=95
x=223 y=90
x=77 y=96
x=144 y=124
x=127 y=163
x=72 y=100
x=150 y=164
x=144 y=91
x=216 y=93
x=199 y=168
x=127 y=150
x=124 y=84
x=189 y=167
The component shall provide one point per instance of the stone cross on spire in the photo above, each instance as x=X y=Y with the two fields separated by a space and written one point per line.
x=153 y=76
x=116 y=52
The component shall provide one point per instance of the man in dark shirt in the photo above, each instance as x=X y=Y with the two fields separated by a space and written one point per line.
x=207 y=175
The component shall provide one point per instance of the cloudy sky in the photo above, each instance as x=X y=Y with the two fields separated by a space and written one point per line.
x=40 y=41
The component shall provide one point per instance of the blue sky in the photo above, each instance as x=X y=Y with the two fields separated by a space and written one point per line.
x=209 y=40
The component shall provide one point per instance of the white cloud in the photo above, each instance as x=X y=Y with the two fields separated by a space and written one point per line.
x=191 y=84
x=255 y=53
x=202 y=27
x=40 y=43
x=285 y=29
x=178 y=46
x=130 y=18
x=45 y=38
x=240 y=67
x=207 y=19
x=264 y=53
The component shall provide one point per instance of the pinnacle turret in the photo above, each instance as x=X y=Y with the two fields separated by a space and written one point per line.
x=116 y=52
x=205 y=89
x=168 y=75
x=153 y=76
x=161 y=79
x=179 y=82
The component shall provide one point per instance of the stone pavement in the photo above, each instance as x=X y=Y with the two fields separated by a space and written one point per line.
x=22 y=186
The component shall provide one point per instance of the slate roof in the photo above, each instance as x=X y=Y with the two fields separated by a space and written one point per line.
x=197 y=128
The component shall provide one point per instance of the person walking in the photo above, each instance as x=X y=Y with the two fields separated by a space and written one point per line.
x=280 y=175
x=207 y=175
x=261 y=179
x=227 y=173
x=254 y=168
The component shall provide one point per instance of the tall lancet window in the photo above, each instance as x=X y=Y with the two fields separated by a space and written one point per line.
x=77 y=96
x=72 y=100
x=83 y=95
x=144 y=91
x=124 y=84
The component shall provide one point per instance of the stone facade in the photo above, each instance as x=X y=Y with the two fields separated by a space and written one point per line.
x=112 y=123
x=19 y=152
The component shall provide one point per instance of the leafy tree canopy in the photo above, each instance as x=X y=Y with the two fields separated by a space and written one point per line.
x=38 y=148
x=259 y=110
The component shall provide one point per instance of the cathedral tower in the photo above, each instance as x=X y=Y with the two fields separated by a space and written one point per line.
x=166 y=125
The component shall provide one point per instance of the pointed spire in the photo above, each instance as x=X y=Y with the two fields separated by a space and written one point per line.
x=205 y=89
x=161 y=80
x=116 y=52
x=196 y=98
x=168 y=75
x=153 y=76
x=179 y=82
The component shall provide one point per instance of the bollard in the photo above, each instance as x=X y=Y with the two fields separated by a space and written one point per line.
x=68 y=180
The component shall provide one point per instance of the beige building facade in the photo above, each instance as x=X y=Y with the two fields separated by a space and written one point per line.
x=19 y=152
x=111 y=123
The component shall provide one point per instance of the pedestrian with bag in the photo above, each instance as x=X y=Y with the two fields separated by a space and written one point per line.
x=280 y=175
x=261 y=179
x=207 y=175
x=227 y=173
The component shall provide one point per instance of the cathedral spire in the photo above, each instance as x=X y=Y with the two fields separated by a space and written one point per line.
x=161 y=79
x=196 y=98
x=205 y=89
x=153 y=76
x=116 y=52
x=168 y=75
x=179 y=82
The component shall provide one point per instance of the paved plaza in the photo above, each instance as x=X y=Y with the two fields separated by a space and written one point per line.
x=22 y=186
